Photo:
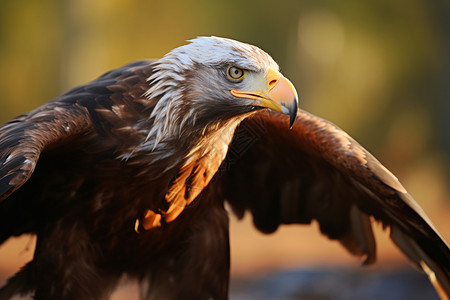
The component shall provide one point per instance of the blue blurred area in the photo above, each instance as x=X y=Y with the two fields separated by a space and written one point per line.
x=336 y=284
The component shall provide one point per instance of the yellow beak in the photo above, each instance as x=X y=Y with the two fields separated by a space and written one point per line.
x=279 y=94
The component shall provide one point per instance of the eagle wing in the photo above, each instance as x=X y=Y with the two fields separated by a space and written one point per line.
x=23 y=139
x=108 y=106
x=316 y=171
x=95 y=118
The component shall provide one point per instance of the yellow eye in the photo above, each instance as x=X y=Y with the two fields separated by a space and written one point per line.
x=235 y=73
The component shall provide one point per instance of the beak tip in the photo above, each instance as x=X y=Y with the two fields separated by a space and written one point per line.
x=293 y=113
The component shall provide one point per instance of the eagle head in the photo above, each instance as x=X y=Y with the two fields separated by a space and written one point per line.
x=203 y=90
x=213 y=80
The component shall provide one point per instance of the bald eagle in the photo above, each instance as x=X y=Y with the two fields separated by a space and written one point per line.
x=129 y=174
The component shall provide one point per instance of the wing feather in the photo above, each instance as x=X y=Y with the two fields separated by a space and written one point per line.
x=47 y=145
x=108 y=106
x=23 y=139
x=318 y=172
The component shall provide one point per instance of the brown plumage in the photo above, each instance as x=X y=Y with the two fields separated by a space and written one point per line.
x=128 y=174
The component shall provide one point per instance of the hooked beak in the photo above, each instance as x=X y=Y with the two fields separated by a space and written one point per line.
x=279 y=94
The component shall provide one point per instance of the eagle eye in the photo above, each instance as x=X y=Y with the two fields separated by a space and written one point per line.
x=235 y=73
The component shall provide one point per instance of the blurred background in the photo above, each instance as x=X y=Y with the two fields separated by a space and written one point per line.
x=380 y=69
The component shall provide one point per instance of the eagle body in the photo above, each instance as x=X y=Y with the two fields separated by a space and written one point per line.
x=128 y=175
x=74 y=200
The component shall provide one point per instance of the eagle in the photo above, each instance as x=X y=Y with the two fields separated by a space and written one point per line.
x=135 y=174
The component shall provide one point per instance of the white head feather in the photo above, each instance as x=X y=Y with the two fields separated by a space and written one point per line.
x=169 y=74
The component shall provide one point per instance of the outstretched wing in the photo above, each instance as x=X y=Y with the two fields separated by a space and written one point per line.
x=315 y=171
x=101 y=106
x=23 y=139
x=96 y=118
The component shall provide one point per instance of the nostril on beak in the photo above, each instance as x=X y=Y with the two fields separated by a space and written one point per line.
x=272 y=83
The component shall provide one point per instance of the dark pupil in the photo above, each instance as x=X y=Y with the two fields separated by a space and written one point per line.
x=236 y=72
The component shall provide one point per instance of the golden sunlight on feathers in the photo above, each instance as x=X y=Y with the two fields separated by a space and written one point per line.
x=128 y=175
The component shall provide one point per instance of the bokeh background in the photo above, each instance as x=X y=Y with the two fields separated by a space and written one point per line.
x=380 y=69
